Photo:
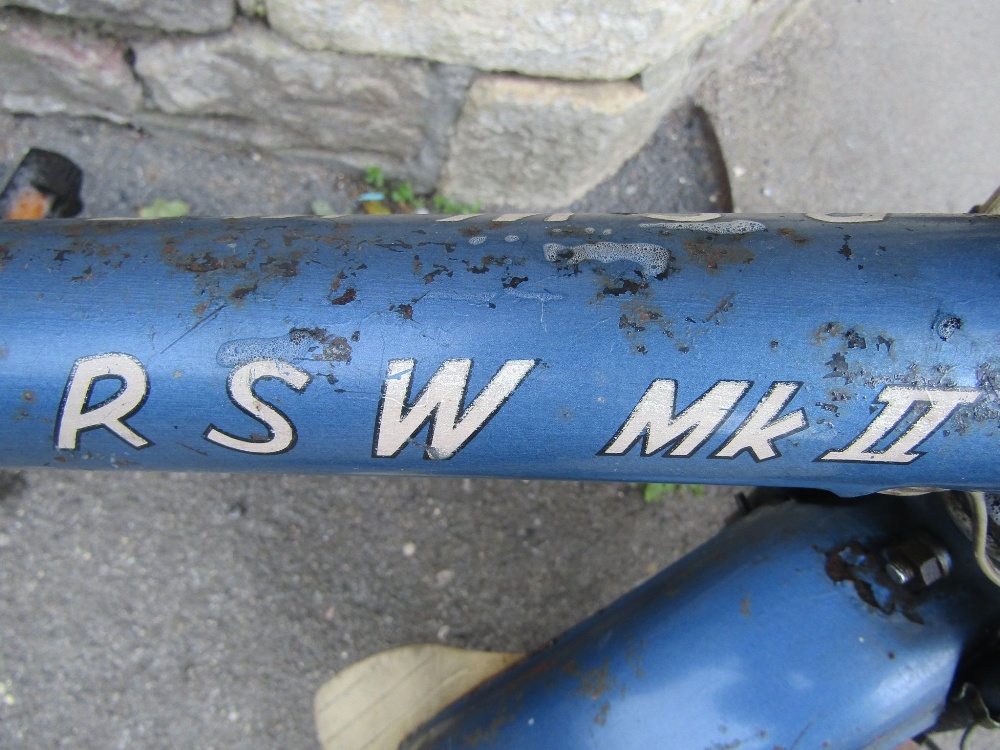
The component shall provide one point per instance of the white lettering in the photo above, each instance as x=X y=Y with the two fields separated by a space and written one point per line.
x=439 y=404
x=77 y=415
x=655 y=422
x=899 y=401
x=281 y=434
x=758 y=433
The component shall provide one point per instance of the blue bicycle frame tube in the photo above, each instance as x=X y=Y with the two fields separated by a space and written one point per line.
x=851 y=353
x=768 y=636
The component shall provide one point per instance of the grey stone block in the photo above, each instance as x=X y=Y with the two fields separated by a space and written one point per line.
x=48 y=67
x=197 y=16
x=255 y=88
x=580 y=39
x=541 y=143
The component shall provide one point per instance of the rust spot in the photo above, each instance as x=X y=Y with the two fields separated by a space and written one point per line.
x=435 y=272
x=486 y=262
x=745 y=606
x=491 y=733
x=349 y=296
x=864 y=569
x=795 y=237
x=826 y=332
x=774 y=345
x=418 y=267
x=284 y=267
x=29 y=397
x=712 y=252
x=596 y=682
x=242 y=291
x=406 y=311
x=356 y=336
x=602 y=715
x=61 y=459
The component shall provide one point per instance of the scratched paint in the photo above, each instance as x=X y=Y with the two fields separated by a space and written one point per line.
x=840 y=376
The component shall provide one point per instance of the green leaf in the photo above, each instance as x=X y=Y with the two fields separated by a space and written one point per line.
x=164 y=209
x=403 y=194
x=655 y=491
x=375 y=177
x=445 y=205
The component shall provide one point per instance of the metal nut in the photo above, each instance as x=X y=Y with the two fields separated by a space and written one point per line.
x=918 y=562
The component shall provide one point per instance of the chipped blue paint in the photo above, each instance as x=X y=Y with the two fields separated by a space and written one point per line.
x=828 y=322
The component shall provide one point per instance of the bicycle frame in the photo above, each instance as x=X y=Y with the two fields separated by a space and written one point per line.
x=846 y=353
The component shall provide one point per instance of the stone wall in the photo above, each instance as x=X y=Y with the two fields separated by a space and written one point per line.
x=507 y=102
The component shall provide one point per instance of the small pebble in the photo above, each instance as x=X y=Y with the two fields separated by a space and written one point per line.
x=444 y=577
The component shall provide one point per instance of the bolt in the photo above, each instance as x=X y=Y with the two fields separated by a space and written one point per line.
x=900 y=571
x=918 y=562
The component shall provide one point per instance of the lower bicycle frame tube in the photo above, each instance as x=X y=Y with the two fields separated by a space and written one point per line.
x=765 y=637
x=852 y=353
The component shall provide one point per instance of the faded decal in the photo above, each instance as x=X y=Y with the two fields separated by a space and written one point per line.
x=740 y=226
x=439 y=405
x=78 y=415
x=281 y=434
x=300 y=344
x=458 y=217
x=907 y=418
x=656 y=424
x=762 y=428
x=653 y=258
x=900 y=402
x=846 y=218
x=505 y=218
x=682 y=217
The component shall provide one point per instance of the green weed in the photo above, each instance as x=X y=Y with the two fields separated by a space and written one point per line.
x=655 y=491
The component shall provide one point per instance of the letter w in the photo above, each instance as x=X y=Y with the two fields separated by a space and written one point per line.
x=439 y=403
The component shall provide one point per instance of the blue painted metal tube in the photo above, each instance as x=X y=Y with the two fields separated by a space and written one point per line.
x=755 y=640
x=848 y=353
